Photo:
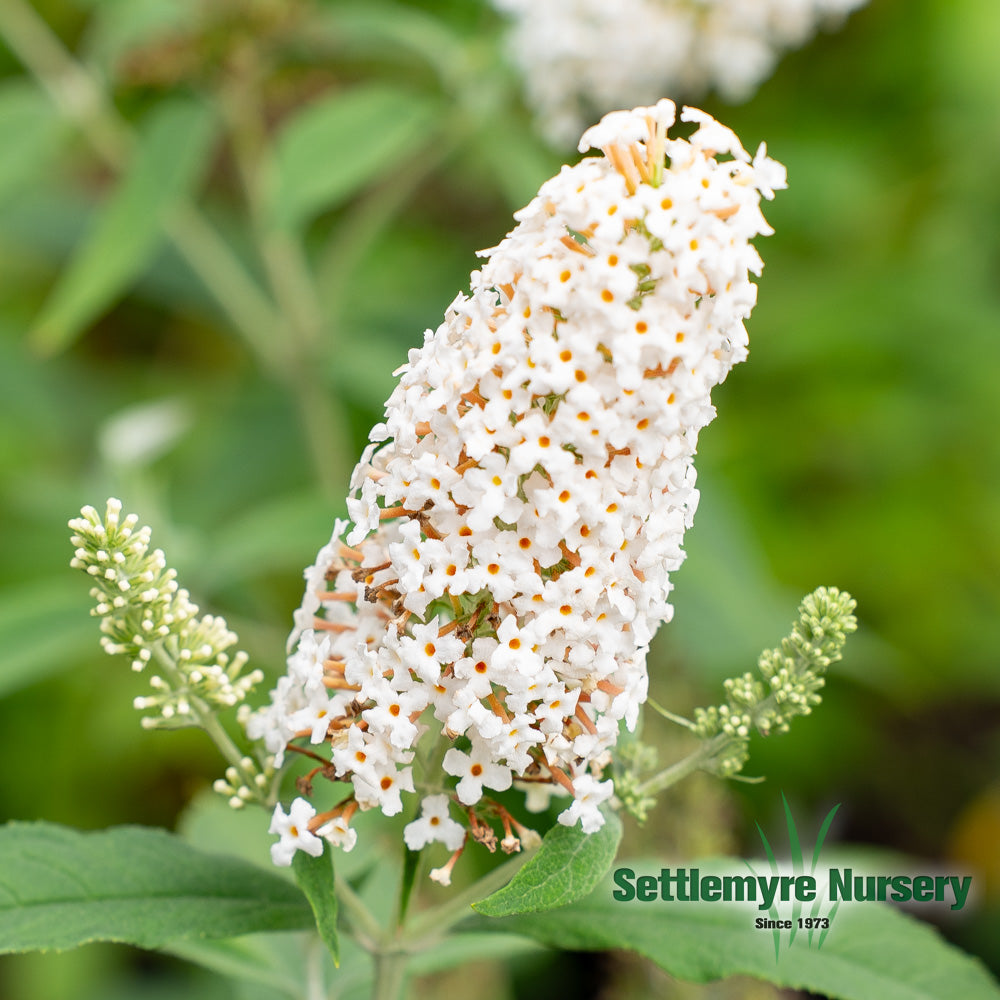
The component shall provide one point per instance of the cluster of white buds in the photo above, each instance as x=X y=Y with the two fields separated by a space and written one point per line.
x=582 y=56
x=517 y=515
x=249 y=781
x=147 y=617
x=792 y=679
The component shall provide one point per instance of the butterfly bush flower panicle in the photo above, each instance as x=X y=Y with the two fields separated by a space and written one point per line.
x=147 y=617
x=517 y=515
x=580 y=56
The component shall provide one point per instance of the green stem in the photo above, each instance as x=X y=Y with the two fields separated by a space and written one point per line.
x=390 y=974
x=695 y=761
x=238 y=295
x=72 y=89
x=709 y=750
x=209 y=721
x=323 y=419
x=396 y=945
x=364 y=225
x=431 y=768
x=368 y=930
x=431 y=925
x=292 y=283
x=280 y=251
x=203 y=716
x=678 y=720
x=315 y=987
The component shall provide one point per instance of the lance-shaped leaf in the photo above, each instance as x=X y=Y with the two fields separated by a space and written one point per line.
x=167 y=161
x=44 y=628
x=341 y=143
x=60 y=888
x=315 y=879
x=30 y=131
x=566 y=868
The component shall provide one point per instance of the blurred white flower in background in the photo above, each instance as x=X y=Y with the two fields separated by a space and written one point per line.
x=140 y=434
x=581 y=58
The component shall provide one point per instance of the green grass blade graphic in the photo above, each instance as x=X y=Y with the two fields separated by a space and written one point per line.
x=795 y=847
x=767 y=850
x=821 y=836
x=773 y=911
x=832 y=914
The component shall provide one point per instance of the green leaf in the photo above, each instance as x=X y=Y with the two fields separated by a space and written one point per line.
x=166 y=164
x=315 y=879
x=379 y=28
x=29 y=131
x=246 y=959
x=60 y=888
x=872 y=950
x=339 y=144
x=566 y=868
x=44 y=628
x=209 y=823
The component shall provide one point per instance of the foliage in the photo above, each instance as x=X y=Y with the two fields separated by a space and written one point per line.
x=63 y=888
x=872 y=952
x=566 y=868
x=166 y=240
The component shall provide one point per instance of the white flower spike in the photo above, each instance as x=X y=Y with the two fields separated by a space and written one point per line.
x=519 y=512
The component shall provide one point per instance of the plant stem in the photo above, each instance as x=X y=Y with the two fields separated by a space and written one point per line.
x=72 y=89
x=678 y=720
x=369 y=931
x=292 y=283
x=365 y=223
x=315 y=988
x=687 y=765
x=431 y=925
x=249 y=310
x=209 y=721
x=394 y=946
x=322 y=420
x=390 y=974
x=202 y=715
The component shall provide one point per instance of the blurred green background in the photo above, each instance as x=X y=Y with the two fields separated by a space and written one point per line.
x=223 y=224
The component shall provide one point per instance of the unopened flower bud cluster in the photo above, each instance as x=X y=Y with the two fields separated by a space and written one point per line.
x=582 y=56
x=633 y=758
x=518 y=514
x=249 y=782
x=791 y=677
x=143 y=612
